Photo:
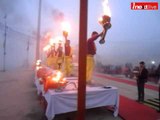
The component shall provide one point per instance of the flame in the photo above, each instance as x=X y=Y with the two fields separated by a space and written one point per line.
x=38 y=62
x=59 y=39
x=51 y=41
x=48 y=35
x=63 y=80
x=100 y=20
x=106 y=9
x=59 y=74
x=46 y=48
x=66 y=27
x=38 y=67
x=55 y=79
x=58 y=77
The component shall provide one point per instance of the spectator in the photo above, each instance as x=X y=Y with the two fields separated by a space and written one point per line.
x=141 y=80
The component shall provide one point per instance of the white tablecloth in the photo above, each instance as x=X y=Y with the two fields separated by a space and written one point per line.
x=66 y=101
x=40 y=86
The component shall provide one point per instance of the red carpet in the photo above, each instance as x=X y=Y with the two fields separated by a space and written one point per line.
x=132 y=110
x=125 y=81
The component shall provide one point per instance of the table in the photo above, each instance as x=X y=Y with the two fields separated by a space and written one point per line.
x=66 y=101
x=40 y=88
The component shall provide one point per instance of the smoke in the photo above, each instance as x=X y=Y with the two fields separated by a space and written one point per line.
x=54 y=19
x=21 y=15
x=6 y=7
x=58 y=16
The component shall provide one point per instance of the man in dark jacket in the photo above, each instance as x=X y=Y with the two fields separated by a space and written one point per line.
x=141 y=80
x=158 y=78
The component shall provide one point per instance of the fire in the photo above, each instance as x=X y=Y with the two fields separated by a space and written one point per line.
x=66 y=27
x=51 y=41
x=58 y=76
x=59 y=39
x=106 y=9
x=46 y=48
x=48 y=35
x=55 y=79
x=38 y=61
x=100 y=20
x=38 y=64
x=38 y=67
x=64 y=79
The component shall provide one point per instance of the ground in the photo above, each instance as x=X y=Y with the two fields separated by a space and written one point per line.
x=19 y=100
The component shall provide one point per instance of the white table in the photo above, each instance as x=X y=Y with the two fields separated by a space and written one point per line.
x=66 y=101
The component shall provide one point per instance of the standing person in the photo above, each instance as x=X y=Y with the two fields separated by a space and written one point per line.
x=51 y=57
x=159 y=94
x=60 y=56
x=158 y=73
x=141 y=80
x=68 y=58
x=91 y=51
x=158 y=78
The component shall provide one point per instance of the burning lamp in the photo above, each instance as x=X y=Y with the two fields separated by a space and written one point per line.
x=38 y=64
x=57 y=82
x=43 y=73
x=47 y=47
x=105 y=22
x=66 y=29
x=65 y=34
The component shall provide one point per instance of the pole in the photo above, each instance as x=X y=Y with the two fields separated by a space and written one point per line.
x=28 y=43
x=4 y=44
x=38 y=31
x=82 y=60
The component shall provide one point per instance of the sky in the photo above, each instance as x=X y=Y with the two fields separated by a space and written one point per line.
x=134 y=35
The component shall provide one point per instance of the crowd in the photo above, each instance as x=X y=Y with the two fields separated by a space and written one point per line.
x=128 y=70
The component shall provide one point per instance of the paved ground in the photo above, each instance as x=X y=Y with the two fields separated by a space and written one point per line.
x=19 y=100
x=127 y=90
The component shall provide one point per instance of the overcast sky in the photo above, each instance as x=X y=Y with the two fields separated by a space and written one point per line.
x=134 y=36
